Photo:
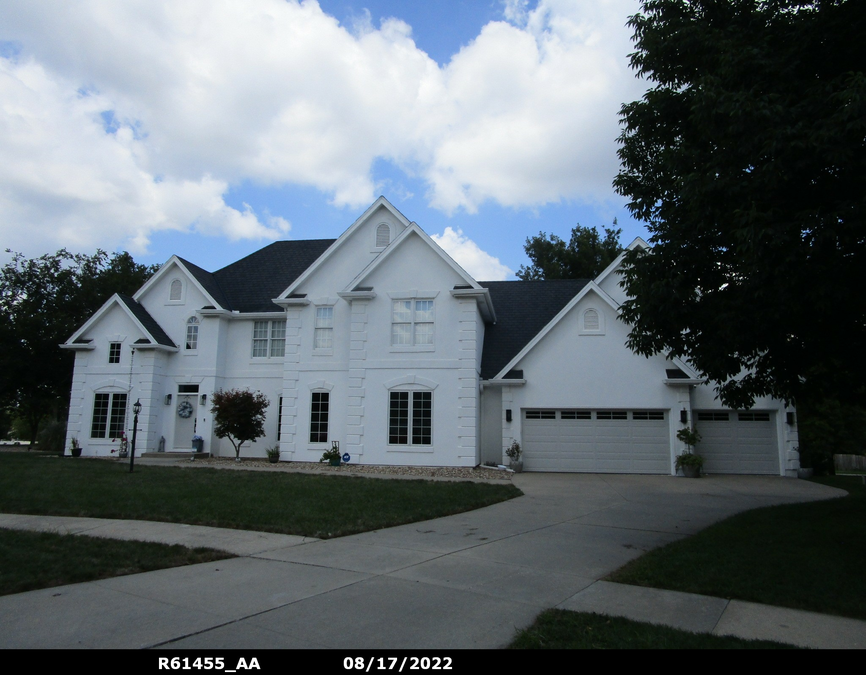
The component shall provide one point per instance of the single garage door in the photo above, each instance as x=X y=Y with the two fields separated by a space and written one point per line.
x=596 y=441
x=738 y=442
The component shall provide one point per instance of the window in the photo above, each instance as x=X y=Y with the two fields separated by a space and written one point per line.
x=192 y=333
x=319 y=417
x=109 y=415
x=648 y=415
x=114 y=352
x=611 y=415
x=383 y=235
x=323 y=337
x=753 y=416
x=410 y=418
x=575 y=415
x=175 y=293
x=541 y=414
x=269 y=339
x=713 y=417
x=412 y=323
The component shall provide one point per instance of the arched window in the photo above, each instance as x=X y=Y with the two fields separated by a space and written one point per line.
x=590 y=320
x=192 y=333
x=176 y=291
x=383 y=235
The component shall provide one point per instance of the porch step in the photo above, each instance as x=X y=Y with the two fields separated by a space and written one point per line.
x=174 y=455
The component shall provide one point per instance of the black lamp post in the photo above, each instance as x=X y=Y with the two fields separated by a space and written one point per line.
x=136 y=408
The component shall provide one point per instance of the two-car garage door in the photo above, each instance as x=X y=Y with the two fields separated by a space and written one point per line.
x=638 y=441
x=597 y=441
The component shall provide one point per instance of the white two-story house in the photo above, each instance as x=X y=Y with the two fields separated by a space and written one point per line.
x=380 y=341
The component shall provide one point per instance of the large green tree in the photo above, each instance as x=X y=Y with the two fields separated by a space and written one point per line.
x=585 y=255
x=746 y=159
x=42 y=301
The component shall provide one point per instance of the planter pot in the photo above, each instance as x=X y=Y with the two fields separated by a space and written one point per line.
x=805 y=473
x=76 y=452
x=692 y=471
x=517 y=467
x=334 y=462
x=198 y=445
x=273 y=459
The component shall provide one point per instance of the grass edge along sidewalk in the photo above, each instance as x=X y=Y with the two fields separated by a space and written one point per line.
x=800 y=556
x=321 y=506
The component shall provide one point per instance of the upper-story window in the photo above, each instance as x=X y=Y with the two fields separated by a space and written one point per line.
x=323 y=337
x=383 y=235
x=192 y=333
x=412 y=323
x=114 y=352
x=175 y=293
x=269 y=339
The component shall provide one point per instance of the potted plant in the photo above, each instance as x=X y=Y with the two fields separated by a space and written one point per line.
x=75 y=448
x=332 y=456
x=513 y=453
x=122 y=449
x=273 y=454
x=689 y=462
x=197 y=443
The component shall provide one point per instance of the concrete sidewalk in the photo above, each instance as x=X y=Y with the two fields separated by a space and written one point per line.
x=470 y=580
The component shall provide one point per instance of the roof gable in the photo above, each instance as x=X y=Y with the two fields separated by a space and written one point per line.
x=528 y=346
x=136 y=312
x=365 y=218
x=397 y=244
x=200 y=278
x=523 y=309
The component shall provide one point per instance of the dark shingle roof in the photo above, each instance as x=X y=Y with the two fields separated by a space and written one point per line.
x=523 y=308
x=251 y=283
x=206 y=279
x=146 y=320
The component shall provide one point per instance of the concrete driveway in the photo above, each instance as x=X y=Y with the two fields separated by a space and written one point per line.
x=464 y=581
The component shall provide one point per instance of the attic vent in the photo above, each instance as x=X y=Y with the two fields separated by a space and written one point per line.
x=383 y=235
x=590 y=320
x=176 y=291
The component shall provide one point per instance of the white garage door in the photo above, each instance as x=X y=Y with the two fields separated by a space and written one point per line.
x=596 y=441
x=738 y=442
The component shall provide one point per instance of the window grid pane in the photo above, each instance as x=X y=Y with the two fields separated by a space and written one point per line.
x=114 y=352
x=398 y=426
x=192 y=336
x=118 y=415
x=323 y=338
x=422 y=417
x=319 y=417
x=100 y=416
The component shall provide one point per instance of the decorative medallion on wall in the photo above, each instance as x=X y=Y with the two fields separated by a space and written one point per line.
x=184 y=409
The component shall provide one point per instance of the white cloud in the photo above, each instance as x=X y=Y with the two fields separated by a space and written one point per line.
x=477 y=263
x=205 y=95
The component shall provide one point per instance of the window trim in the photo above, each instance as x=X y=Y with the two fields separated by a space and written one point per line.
x=191 y=322
x=270 y=340
x=317 y=328
x=412 y=323
x=112 y=422
x=324 y=409
x=410 y=424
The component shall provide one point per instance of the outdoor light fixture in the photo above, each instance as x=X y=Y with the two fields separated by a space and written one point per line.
x=791 y=419
x=136 y=409
x=508 y=414
x=203 y=399
x=684 y=416
x=168 y=399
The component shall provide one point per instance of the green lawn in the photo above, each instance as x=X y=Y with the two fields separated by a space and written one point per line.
x=804 y=556
x=561 y=629
x=33 y=560
x=301 y=504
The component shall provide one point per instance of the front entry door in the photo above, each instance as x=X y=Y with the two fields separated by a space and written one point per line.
x=186 y=413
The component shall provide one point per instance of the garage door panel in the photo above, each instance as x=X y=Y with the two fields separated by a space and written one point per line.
x=585 y=441
x=743 y=443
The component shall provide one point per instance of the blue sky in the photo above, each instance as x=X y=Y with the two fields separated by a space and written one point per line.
x=211 y=130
